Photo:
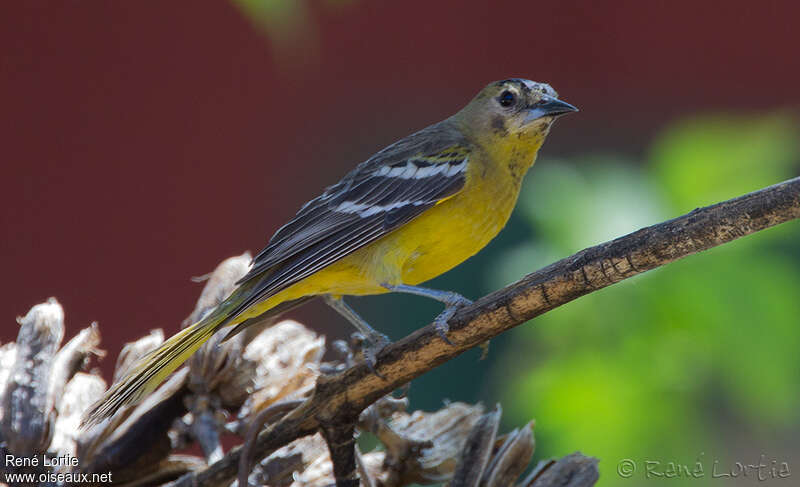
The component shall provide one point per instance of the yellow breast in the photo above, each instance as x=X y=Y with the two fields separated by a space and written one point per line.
x=442 y=237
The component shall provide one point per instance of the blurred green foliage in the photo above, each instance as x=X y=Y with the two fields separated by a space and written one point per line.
x=695 y=360
x=290 y=27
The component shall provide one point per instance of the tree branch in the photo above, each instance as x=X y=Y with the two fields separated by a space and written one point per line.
x=338 y=399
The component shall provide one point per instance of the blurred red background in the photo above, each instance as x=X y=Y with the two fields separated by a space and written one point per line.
x=143 y=142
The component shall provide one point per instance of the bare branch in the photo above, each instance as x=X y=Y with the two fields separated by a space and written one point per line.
x=339 y=399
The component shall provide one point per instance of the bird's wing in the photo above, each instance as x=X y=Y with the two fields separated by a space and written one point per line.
x=380 y=195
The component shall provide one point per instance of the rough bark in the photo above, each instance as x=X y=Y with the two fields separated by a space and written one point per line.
x=338 y=399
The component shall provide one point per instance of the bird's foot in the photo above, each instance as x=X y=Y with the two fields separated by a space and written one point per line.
x=453 y=302
x=370 y=347
x=368 y=341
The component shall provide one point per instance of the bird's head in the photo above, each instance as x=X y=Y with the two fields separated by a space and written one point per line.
x=513 y=112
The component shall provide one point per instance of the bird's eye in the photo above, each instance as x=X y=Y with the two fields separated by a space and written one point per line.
x=506 y=99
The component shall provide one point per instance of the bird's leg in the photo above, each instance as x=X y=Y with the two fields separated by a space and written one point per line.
x=376 y=339
x=452 y=302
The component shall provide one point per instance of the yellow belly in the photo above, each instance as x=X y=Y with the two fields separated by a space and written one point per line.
x=428 y=246
x=443 y=237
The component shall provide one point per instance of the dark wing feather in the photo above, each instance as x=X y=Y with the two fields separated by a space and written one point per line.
x=391 y=188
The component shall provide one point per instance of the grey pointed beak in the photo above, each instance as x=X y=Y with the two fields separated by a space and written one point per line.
x=548 y=107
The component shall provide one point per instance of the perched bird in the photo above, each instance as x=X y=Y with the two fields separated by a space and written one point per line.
x=409 y=213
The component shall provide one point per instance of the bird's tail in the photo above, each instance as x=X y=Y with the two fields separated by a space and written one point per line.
x=154 y=367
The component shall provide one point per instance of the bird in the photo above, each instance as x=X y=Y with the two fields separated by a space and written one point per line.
x=409 y=213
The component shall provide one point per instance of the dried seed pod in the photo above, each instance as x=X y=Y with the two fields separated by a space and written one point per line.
x=511 y=458
x=79 y=394
x=73 y=357
x=574 y=470
x=373 y=419
x=424 y=447
x=317 y=471
x=476 y=450
x=135 y=444
x=281 y=466
x=281 y=364
x=26 y=425
x=285 y=360
x=90 y=439
x=165 y=471
x=489 y=461
x=8 y=355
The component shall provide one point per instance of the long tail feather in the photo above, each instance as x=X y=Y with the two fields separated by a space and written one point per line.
x=153 y=368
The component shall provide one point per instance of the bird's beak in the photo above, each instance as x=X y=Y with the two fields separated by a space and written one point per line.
x=548 y=107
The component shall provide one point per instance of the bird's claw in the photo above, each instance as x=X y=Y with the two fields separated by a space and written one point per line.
x=440 y=323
